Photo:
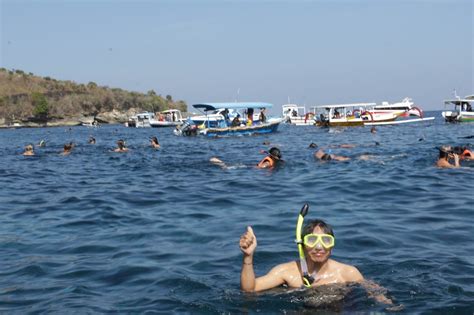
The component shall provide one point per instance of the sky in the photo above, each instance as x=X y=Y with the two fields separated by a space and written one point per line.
x=305 y=52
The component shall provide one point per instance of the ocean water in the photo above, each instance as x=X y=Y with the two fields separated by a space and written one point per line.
x=157 y=231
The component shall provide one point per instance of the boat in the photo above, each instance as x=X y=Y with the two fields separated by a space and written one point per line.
x=462 y=112
x=140 y=120
x=229 y=119
x=355 y=114
x=167 y=118
x=405 y=108
x=296 y=115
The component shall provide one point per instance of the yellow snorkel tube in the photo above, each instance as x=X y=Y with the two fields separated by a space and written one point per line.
x=307 y=278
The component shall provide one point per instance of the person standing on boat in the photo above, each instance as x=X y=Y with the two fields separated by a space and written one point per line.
x=262 y=116
x=272 y=159
x=249 y=116
x=446 y=153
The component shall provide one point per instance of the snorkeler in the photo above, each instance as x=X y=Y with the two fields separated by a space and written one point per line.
x=323 y=156
x=154 y=143
x=121 y=146
x=271 y=160
x=29 y=150
x=91 y=140
x=446 y=153
x=67 y=149
x=315 y=243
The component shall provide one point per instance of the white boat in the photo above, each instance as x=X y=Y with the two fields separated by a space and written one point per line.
x=140 y=120
x=355 y=114
x=296 y=115
x=167 y=118
x=405 y=108
x=463 y=109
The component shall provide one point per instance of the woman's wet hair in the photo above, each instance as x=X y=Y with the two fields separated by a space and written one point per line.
x=311 y=225
x=326 y=157
x=275 y=152
x=121 y=144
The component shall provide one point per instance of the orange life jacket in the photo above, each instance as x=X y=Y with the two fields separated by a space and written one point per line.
x=467 y=153
x=264 y=161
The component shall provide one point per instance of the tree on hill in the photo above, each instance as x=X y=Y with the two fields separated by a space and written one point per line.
x=41 y=107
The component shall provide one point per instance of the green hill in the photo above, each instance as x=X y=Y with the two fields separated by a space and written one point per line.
x=25 y=97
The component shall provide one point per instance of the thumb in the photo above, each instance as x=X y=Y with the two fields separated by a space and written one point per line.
x=250 y=230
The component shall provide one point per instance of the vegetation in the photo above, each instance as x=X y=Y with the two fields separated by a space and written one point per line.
x=24 y=96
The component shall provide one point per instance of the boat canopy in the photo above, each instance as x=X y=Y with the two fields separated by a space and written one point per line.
x=459 y=101
x=213 y=106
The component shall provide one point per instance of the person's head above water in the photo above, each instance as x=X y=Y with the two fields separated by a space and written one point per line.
x=445 y=151
x=275 y=153
x=312 y=145
x=121 y=144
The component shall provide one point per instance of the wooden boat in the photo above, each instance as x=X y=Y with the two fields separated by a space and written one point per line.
x=229 y=119
x=355 y=114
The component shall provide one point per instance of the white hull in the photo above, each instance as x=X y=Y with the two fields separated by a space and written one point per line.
x=396 y=122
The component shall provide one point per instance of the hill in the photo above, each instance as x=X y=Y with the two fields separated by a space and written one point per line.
x=29 y=99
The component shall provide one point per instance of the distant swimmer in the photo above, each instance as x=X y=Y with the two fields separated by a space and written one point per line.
x=218 y=162
x=29 y=150
x=91 y=140
x=154 y=143
x=315 y=243
x=323 y=156
x=373 y=130
x=42 y=143
x=121 y=146
x=312 y=145
x=445 y=154
x=67 y=149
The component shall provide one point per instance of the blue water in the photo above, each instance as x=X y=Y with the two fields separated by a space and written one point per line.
x=157 y=230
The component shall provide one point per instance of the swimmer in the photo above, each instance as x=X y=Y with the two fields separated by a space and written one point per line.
x=42 y=143
x=154 y=143
x=91 y=140
x=218 y=162
x=312 y=145
x=29 y=150
x=121 y=146
x=315 y=243
x=67 y=149
x=323 y=156
x=373 y=130
x=271 y=160
x=446 y=153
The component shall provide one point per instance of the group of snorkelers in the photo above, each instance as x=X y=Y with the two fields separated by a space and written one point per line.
x=67 y=148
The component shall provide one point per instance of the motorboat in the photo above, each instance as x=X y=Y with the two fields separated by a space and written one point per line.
x=167 y=118
x=229 y=119
x=462 y=112
x=140 y=120
x=355 y=114
x=405 y=108
x=296 y=115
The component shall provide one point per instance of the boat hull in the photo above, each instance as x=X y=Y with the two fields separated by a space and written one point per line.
x=241 y=131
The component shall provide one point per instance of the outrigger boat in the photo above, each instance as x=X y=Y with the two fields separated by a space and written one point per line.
x=350 y=115
x=228 y=119
x=405 y=108
x=296 y=115
x=167 y=118
x=463 y=111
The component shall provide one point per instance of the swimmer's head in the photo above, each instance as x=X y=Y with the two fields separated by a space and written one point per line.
x=312 y=145
x=444 y=151
x=275 y=153
x=121 y=144
x=326 y=157
x=29 y=147
x=311 y=225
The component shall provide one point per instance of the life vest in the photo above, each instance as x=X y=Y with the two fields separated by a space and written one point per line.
x=467 y=153
x=263 y=162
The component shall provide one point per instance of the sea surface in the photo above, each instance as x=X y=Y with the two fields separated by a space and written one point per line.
x=157 y=231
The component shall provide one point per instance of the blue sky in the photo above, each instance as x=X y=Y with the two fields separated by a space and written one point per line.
x=313 y=52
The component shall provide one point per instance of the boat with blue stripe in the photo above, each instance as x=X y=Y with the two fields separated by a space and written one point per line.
x=229 y=119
